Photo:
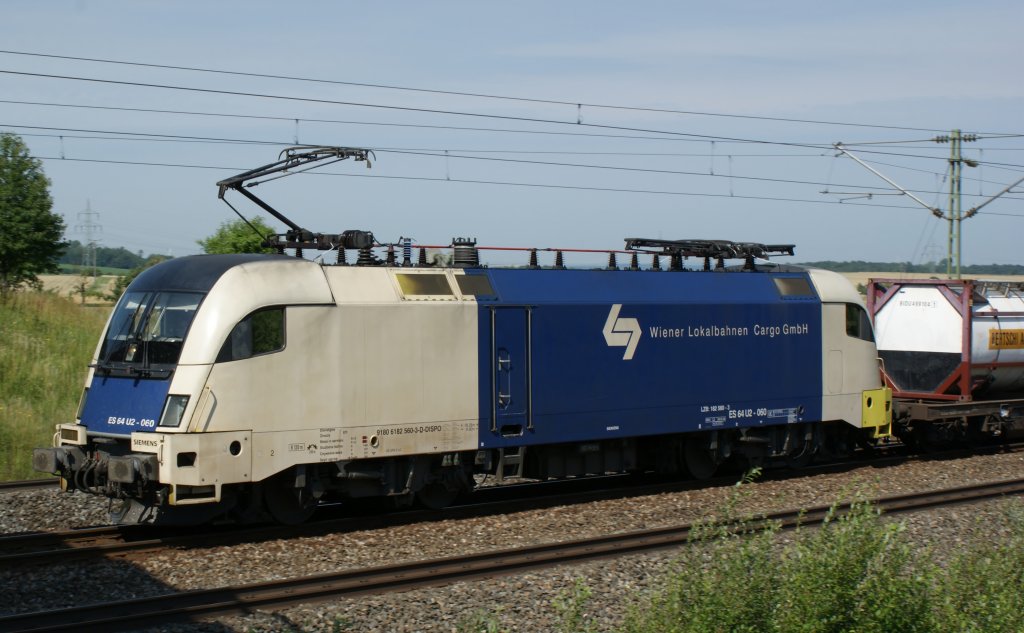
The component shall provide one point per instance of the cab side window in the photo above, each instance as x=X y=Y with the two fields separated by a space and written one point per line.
x=262 y=332
x=858 y=325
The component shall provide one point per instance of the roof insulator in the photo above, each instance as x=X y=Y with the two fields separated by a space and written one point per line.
x=366 y=257
x=533 y=258
x=612 y=265
x=406 y=252
x=464 y=252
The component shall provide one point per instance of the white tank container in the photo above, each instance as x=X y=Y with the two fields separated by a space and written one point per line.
x=920 y=334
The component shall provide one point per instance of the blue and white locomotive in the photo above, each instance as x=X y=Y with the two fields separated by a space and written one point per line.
x=255 y=385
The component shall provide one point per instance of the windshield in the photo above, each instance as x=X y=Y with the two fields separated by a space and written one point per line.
x=148 y=328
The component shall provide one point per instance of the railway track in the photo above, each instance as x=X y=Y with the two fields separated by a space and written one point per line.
x=28 y=484
x=195 y=605
x=43 y=548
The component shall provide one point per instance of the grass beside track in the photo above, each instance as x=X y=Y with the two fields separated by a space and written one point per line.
x=46 y=342
x=857 y=573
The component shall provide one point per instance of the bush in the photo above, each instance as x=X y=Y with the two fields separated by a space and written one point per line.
x=854 y=573
x=981 y=588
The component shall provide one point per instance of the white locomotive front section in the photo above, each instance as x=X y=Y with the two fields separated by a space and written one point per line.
x=285 y=363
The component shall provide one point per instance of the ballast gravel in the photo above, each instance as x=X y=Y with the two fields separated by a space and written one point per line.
x=534 y=601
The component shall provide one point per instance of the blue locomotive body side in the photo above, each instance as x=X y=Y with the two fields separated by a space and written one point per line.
x=570 y=356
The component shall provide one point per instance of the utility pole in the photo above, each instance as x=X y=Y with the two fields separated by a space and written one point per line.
x=955 y=217
x=88 y=226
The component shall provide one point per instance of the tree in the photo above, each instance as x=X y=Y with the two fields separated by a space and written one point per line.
x=106 y=257
x=30 y=233
x=238 y=237
x=123 y=281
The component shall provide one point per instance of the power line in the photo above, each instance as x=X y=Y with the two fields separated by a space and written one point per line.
x=577 y=104
x=636 y=169
x=145 y=139
x=503 y=117
x=369 y=123
x=511 y=184
x=696 y=137
x=767 y=142
x=155 y=136
x=296 y=119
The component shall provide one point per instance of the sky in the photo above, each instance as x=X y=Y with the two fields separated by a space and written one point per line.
x=725 y=119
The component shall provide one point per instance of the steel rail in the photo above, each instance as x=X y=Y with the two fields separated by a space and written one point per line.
x=28 y=484
x=17 y=547
x=195 y=605
x=37 y=548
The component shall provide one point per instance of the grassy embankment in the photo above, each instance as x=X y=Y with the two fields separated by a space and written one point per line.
x=46 y=342
x=857 y=574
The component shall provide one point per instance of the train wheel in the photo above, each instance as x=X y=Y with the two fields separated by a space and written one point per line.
x=701 y=461
x=286 y=503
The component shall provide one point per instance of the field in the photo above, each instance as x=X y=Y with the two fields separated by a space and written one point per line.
x=70 y=286
x=46 y=342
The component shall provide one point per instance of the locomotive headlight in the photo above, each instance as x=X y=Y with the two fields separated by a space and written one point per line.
x=174 y=408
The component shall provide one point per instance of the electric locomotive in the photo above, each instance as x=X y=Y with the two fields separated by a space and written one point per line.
x=258 y=385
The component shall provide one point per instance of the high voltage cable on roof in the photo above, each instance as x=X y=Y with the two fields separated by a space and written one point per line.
x=515 y=184
x=448 y=155
x=575 y=104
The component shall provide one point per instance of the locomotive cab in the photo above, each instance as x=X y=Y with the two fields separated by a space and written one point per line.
x=140 y=423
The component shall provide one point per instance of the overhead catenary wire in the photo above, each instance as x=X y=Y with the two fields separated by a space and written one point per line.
x=682 y=136
x=516 y=184
x=577 y=104
x=448 y=155
x=778 y=143
x=504 y=117
x=269 y=117
x=145 y=137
